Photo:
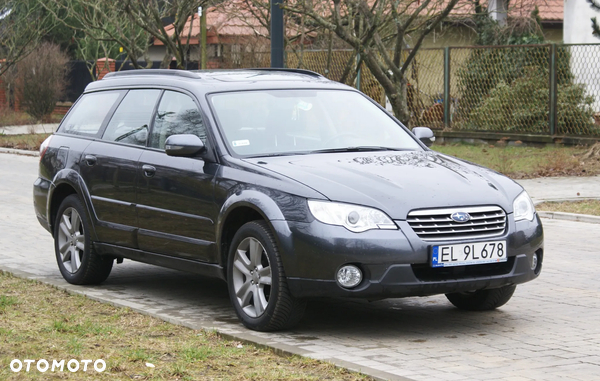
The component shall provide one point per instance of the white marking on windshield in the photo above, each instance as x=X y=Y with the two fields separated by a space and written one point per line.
x=240 y=143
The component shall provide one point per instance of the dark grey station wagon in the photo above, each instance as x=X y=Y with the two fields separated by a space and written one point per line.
x=282 y=183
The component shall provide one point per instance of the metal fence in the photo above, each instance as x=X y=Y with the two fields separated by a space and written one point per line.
x=550 y=89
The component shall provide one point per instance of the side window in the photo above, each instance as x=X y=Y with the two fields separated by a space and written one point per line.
x=177 y=114
x=89 y=112
x=131 y=121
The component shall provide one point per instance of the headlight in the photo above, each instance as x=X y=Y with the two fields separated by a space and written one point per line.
x=523 y=207
x=353 y=217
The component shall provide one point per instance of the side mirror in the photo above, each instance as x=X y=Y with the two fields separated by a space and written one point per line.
x=184 y=145
x=425 y=135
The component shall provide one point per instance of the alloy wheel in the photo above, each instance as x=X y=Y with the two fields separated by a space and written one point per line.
x=252 y=277
x=71 y=240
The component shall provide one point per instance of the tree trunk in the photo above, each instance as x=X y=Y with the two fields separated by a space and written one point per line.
x=400 y=103
x=166 y=61
x=395 y=89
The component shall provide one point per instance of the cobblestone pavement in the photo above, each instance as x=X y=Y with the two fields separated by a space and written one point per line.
x=548 y=331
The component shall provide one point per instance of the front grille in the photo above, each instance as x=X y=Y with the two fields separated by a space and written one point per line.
x=436 y=224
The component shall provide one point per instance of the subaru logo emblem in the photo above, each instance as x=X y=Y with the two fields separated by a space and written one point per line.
x=460 y=217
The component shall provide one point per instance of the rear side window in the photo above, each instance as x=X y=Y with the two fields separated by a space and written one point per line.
x=89 y=112
x=130 y=123
x=176 y=114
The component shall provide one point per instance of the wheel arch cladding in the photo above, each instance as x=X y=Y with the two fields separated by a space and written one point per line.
x=60 y=193
x=237 y=216
x=66 y=183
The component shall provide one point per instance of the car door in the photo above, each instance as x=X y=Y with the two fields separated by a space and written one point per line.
x=176 y=212
x=109 y=167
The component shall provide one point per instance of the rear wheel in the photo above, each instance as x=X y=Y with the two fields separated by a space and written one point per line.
x=256 y=280
x=77 y=260
x=482 y=300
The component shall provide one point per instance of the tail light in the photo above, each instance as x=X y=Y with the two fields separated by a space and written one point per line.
x=44 y=146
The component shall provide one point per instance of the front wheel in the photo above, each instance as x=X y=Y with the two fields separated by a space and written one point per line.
x=482 y=300
x=256 y=280
x=75 y=254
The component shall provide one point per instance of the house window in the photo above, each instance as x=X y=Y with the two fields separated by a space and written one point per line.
x=236 y=54
x=214 y=50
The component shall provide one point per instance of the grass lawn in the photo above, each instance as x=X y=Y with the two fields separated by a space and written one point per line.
x=38 y=322
x=27 y=142
x=10 y=117
x=580 y=207
x=526 y=162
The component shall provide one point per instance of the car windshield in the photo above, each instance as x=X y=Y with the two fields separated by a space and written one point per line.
x=286 y=122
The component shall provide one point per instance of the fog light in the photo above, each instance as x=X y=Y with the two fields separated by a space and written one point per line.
x=534 y=261
x=349 y=276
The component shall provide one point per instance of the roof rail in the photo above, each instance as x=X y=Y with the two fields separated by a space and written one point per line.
x=174 y=72
x=293 y=70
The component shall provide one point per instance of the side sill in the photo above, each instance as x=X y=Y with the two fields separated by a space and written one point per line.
x=201 y=268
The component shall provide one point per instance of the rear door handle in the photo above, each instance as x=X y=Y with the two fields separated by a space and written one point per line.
x=90 y=160
x=149 y=170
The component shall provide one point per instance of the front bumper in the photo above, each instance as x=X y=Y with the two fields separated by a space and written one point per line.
x=395 y=263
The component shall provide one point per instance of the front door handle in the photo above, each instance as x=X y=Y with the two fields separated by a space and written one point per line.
x=149 y=170
x=90 y=160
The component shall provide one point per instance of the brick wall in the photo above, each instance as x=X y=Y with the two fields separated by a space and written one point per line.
x=104 y=66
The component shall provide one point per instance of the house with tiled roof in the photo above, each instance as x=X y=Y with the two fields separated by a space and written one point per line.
x=233 y=31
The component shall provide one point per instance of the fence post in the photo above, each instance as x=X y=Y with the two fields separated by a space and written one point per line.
x=447 y=86
x=553 y=90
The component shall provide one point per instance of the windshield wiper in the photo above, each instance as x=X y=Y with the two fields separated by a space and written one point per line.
x=358 y=149
x=331 y=150
x=276 y=154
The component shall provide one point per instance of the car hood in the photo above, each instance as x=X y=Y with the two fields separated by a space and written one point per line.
x=396 y=182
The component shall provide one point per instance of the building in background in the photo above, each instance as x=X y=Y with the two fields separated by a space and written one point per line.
x=585 y=66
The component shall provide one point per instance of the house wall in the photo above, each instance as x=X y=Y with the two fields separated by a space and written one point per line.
x=577 y=24
x=157 y=52
x=585 y=65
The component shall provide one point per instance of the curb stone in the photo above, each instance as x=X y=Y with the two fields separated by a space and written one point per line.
x=567 y=199
x=570 y=217
x=19 y=152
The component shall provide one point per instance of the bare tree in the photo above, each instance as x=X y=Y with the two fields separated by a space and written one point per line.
x=150 y=15
x=380 y=32
x=22 y=25
x=103 y=28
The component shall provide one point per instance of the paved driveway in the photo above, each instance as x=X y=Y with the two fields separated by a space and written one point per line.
x=548 y=331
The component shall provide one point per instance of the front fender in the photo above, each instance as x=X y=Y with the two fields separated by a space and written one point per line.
x=250 y=198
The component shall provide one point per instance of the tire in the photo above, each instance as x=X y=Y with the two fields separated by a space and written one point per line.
x=482 y=300
x=257 y=283
x=75 y=255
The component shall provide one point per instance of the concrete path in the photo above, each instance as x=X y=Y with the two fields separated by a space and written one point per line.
x=562 y=188
x=29 y=129
x=548 y=330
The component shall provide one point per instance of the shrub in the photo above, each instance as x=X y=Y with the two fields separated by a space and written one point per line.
x=522 y=106
x=41 y=80
x=507 y=88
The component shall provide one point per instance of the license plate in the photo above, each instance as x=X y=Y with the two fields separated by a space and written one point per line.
x=468 y=254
